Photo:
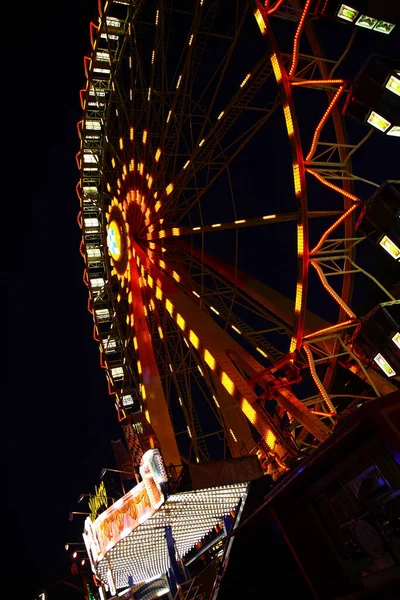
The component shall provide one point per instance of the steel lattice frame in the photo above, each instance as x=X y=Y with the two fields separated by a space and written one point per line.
x=195 y=343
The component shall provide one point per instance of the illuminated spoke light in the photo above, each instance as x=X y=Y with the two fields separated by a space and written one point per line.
x=260 y=21
x=323 y=121
x=245 y=80
x=317 y=380
x=276 y=68
x=332 y=292
x=297 y=38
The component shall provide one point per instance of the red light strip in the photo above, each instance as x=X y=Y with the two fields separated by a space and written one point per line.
x=332 y=292
x=317 y=380
x=330 y=329
x=296 y=38
x=323 y=121
x=273 y=8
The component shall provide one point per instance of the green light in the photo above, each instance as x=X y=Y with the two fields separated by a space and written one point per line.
x=347 y=13
x=393 y=85
x=390 y=247
x=367 y=22
x=384 y=365
x=395 y=131
x=378 y=121
x=384 y=27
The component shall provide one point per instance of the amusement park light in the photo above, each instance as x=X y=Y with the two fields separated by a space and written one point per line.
x=395 y=130
x=74 y=512
x=347 y=13
x=396 y=339
x=390 y=247
x=374 y=97
x=379 y=220
x=378 y=337
x=393 y=84
x=384 y=365
x=366 y=22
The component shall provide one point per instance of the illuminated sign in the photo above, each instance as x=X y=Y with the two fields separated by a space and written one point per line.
x=125 y=515
x=114 y=240
x=98 y=500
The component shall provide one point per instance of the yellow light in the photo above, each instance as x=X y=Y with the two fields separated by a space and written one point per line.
x=270 y=439
x=169 y=306
x=139 y=367
x=176 y=230
x=227 y=383
x=157 y=206
x=131 y=133
x=169 y=188
x=159 y=293
x=194 y=339
x=186 y=164
x=276 y=68
x=248 y=411
x=245 y=80
x=233 y=435
x=210 y=360
x=150 y=181
x=300 y=240
x=260 y=21
x=296 y=178
x=176 y=276
x=262 y=352
x=135 y=343
x=181 y=321
x=144 y=136
x=221 y=114
x=216 y=225
x=121 y=143
x=131 y=165
x=288 y=119
x=158 y=154
x=299 y=290
x=147 y=415
x=160 y=333
x=376 y=120
x=150 y=281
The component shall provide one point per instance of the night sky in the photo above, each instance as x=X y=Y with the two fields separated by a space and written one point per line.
x=57 y=418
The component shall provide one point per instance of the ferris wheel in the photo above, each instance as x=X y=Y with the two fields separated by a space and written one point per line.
x=223 y=214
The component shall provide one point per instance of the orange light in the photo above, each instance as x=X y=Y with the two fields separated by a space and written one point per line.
x=329 y=329
x=333 y=186
x=317 y=380
x=274 y=8
x=332 y=292
x=297 y=37
x=332 y=227
x=322 y=122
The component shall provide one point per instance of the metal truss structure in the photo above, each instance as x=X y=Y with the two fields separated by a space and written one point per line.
x=189 y=242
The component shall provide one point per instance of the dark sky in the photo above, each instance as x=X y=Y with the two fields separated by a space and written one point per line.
x=57 y=417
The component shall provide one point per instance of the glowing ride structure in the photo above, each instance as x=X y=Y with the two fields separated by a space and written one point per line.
x=180 y=106
x=168 y=315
